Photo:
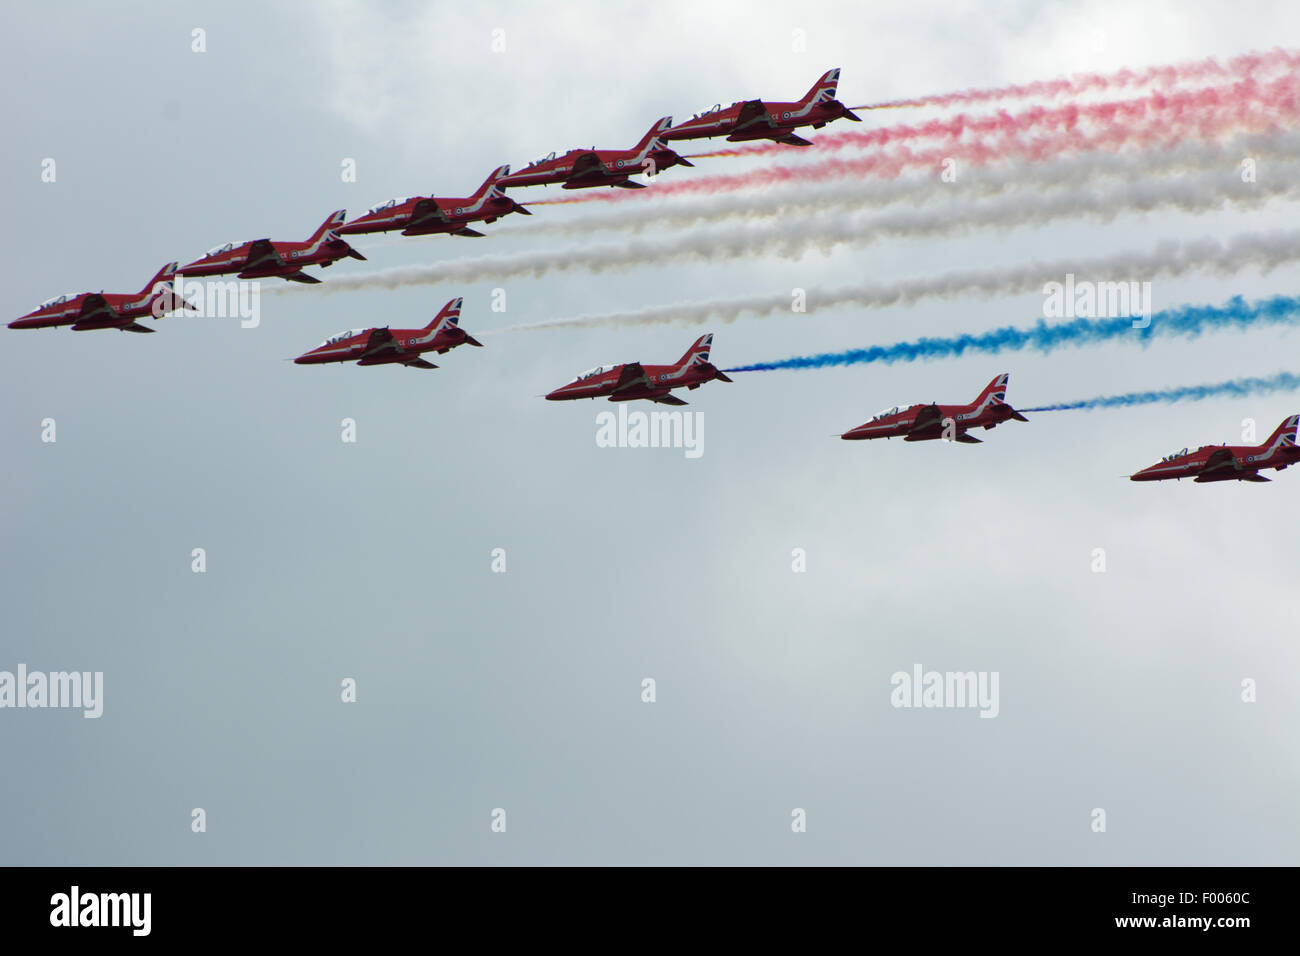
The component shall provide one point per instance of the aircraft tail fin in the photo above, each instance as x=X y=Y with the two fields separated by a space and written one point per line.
x=995 y=392
x=697 y=354
x=660 y=127
x=162 y=277
x=335 y=220
x=823 y=91
x=448 y=316
x=491 y=182
x=1285 y=434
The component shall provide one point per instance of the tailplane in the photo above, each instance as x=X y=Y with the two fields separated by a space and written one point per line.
x=995 y=393
x=448 y=320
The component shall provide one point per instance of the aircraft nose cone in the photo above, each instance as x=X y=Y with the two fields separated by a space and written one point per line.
x=555 y=396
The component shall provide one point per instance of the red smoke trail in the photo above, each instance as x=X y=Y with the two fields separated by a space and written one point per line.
x=1035 y=134
x=1246 y=92
x=1247 y=65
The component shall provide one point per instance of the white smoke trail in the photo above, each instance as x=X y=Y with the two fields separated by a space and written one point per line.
x=1263 y=251
x=792 y=238
x=857 y=195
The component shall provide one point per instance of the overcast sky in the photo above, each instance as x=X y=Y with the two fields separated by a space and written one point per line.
x=522 y=690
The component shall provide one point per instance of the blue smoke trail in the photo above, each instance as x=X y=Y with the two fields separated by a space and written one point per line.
x=1187 y=321
x=1237 y=388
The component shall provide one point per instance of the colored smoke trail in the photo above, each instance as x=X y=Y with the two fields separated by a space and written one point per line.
x=852 y=195
x=1264 y=251
x=1033 y=135
x=1158 y=77
x=1177 y=106
x=1235 y=388
x=791 y=238
x=1184 y=322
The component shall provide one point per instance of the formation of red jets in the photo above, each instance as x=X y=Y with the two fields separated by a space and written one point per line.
x=990 y=409
x=430 y=215
x=743 y=121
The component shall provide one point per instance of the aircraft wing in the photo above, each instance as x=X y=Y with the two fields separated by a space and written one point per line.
x=95 y=306
x=631 y=376
x=790 y=139
x=586 y=166
x=424 y=212
x=379 y=340
x=262 y=253
x=927 y=418
x=1219 y=464
x=752 y=113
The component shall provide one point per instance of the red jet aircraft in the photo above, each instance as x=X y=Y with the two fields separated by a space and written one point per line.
x=625 y=383
x=1229 y=462
x=583 y=168
x=754 y=119
x=394 y=346
x=426 y=215
x=100 y=310
x=928 y=422
x=262 y=258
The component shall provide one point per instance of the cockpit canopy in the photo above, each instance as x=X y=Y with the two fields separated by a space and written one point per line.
x=57 y=300
x=545 y=159
x=593 y=372
x=389 y=204
x=887 y=412
x=348 y=334
x=1177 y=454
x=712 y=109
x=226 y=247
